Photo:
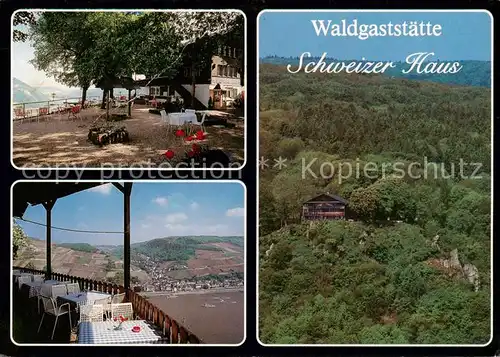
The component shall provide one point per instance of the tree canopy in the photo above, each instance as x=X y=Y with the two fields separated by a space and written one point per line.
x=82 y=48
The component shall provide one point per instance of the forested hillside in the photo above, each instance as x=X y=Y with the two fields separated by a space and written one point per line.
x=411 y=264
x=177 y=249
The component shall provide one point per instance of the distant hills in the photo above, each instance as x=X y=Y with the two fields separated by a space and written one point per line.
x=473 y=73
x=178 y=249
x=24 y=93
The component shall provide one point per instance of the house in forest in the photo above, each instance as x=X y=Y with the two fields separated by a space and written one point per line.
x=219 y=81
x=324 y=206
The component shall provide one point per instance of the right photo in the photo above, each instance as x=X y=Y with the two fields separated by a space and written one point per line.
x=375 y=177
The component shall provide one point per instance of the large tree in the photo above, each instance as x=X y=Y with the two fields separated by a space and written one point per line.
x=21 y=22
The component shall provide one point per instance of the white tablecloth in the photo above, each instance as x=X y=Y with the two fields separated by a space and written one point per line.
x=36 y=287
x=181 y=118
x=83 y=298
x=104 y=333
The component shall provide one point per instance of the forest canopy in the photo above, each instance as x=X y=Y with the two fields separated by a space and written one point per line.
x=411 y=263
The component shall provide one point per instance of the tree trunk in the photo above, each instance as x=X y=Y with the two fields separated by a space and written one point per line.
x=104 y=97
x=193 y=85
x=84 y=95
x=129 y=103
x=107 y=104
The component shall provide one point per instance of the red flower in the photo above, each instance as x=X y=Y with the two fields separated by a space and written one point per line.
x=191 y=153
x=180 y=133
x=169 y=154
x=200 y=135
x=189 y=138
x=115 y=319
x=196 y=148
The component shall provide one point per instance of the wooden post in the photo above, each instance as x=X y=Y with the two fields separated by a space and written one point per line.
x=126 y=189
x=48 y=238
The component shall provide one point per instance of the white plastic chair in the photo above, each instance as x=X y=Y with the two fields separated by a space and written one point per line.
x=124 y=309
x=91 y=313
x=200 y=123
x=38 y=279
x=118 y=298
x=73 y=288
x=106 y=305
x=190 y=111
x=59 y=290
x=23 y=280
x=50 y=308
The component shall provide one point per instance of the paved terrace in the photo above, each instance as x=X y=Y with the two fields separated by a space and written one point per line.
x=57 y=140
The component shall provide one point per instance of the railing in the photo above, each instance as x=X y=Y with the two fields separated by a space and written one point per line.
x=142 y=307
x=32 y=109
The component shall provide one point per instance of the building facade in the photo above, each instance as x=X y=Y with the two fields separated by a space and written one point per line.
x=220 y=82
x=324 y=206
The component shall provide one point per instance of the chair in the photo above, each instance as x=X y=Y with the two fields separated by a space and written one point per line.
x=23 y=280
x=118 y=298
x=50 y=308
x=38 y=279
x=124 y=309
x=200 y=123
x=73 y=288
x=59 y=290
x=75 y=112
x=106 y=305
x=91 y=313
x=190 y=111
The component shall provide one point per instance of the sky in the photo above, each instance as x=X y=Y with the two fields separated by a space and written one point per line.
x=22 y=53
x=465 y=36
x=157 y=210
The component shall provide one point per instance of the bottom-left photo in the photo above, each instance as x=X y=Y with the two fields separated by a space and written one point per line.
x=128 y=262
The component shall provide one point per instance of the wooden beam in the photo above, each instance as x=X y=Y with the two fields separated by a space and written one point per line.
x=127 y=190
x=119 y=186
x=48 y=237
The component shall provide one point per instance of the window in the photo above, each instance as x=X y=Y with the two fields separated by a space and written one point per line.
x=219 y=50
x=219 y=70
x=234 y=53
x=154 y=91
x=229 y=71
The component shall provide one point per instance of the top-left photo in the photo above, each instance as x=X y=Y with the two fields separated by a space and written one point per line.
x=141 y=89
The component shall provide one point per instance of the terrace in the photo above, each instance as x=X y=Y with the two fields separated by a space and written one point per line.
x=27 y=293
x=57 y=135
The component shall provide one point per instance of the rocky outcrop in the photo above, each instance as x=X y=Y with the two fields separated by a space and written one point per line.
x=472 y=275
x=454 y=268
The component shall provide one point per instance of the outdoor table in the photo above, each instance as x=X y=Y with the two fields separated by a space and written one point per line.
x=17 y=275
x=105 y=333
x=182 y=118
x=82 y=298
x=36 y=287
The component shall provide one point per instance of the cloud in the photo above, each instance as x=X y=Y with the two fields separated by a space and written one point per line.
x=194 y=206
x=235 y=212
x=161 y=201
x=102 y=189
x=176 y=218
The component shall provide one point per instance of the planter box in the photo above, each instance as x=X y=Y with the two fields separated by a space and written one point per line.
x=108 y=135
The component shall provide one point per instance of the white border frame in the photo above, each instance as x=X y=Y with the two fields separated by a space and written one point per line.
x=245 y=256
x=492 y=173
x=245 y=109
